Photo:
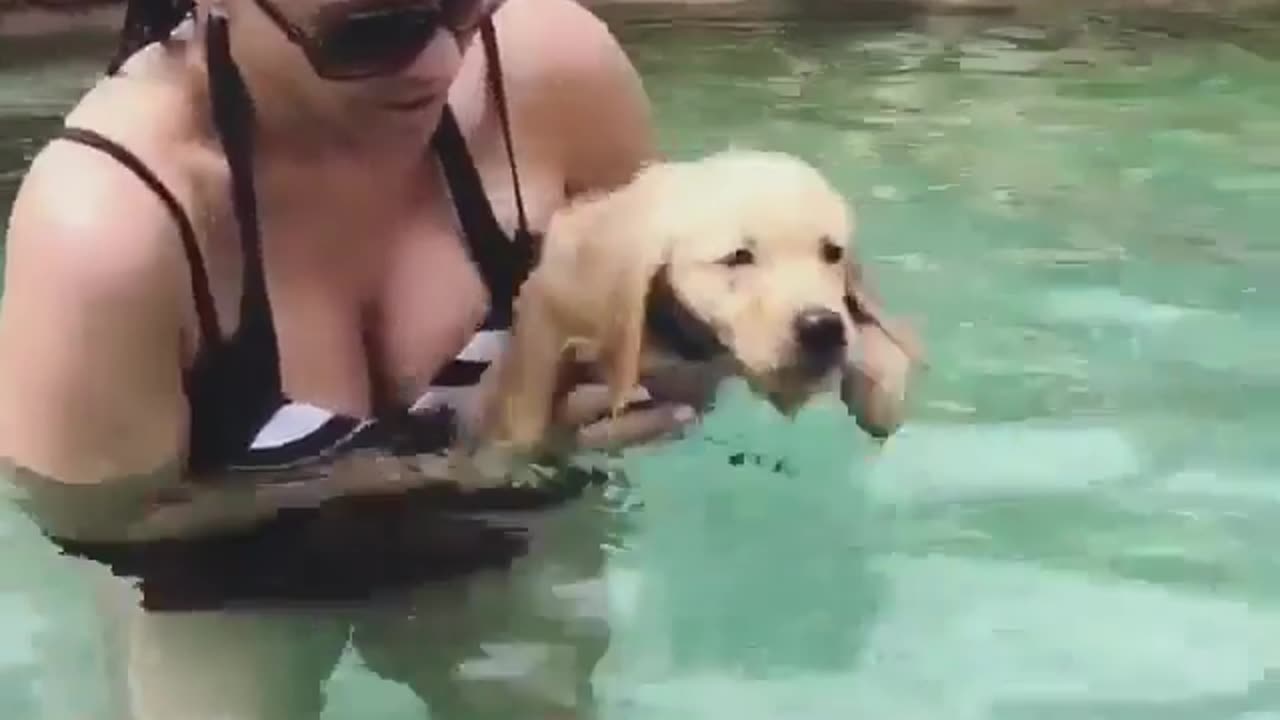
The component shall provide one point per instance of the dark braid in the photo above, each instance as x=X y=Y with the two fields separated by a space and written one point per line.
x=145 y=22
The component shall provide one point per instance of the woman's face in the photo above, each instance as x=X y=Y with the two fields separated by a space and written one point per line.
x=364 y=60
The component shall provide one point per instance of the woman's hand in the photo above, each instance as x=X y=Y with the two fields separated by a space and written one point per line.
x=582 y=421
x=585 y=418
x=667 y=402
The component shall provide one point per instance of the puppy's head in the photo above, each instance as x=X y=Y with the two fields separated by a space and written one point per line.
x=756 y=266
x=743 y=258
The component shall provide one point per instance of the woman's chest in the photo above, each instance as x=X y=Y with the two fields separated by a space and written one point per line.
x=379 y=325
x=373 y=285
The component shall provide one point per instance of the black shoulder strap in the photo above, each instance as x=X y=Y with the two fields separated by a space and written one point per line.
x=493 y=71
x=203 y=298
x=234 y=392
x=233 y=121
x=504 y=263
x=486 y=242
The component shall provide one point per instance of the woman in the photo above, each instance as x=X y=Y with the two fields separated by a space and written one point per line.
x=283 y=238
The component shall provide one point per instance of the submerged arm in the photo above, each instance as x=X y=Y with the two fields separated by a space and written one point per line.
x=90 y=343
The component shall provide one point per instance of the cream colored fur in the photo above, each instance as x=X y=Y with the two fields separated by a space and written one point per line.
x=587 y=296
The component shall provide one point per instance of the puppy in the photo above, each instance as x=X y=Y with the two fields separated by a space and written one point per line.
x=742 y=259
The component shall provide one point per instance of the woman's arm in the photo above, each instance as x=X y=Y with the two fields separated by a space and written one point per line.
x=92 y=412
x=605 y=120
x=574 y=92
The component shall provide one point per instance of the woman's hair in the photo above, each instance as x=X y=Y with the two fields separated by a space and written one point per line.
x=145 y=22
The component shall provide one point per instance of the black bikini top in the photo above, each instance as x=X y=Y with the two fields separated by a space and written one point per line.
x=234 y=385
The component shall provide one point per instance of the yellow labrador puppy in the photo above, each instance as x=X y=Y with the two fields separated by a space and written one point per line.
x=742 y=259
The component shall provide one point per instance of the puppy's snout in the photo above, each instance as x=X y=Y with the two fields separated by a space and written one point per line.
x=819 y=331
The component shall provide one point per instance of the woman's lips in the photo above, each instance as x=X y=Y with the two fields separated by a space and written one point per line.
x=412 y=103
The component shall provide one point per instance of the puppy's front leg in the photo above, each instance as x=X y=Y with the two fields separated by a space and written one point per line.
x=520 y=406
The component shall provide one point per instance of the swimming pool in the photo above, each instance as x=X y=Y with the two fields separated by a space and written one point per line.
x=1079 y=216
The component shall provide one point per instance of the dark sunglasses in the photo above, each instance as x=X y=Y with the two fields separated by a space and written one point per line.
x=372 y=38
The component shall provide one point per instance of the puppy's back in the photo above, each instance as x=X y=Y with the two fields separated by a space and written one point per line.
x=594 y=244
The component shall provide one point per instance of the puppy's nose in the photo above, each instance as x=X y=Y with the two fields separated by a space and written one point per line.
x=819 y=330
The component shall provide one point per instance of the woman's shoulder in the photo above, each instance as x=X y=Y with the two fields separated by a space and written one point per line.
x=556 y=36
x=153 y=108
x=88 y=216
x=570 y=77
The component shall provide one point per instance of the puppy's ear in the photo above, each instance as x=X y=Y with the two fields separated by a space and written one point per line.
x=866 y=310
x=874 y=384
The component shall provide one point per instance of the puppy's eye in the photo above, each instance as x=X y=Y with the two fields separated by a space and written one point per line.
x=831 y=252
x=741 y=256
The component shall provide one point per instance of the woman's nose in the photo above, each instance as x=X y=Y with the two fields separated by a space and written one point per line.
x=438 y=61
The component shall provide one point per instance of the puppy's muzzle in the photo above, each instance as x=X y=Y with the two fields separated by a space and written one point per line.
x=819 y=337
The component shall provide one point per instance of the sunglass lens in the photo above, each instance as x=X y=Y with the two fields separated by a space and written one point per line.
x=463 y=14
x=375 y=43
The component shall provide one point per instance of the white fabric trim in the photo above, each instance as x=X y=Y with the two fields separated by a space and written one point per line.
x=435 y=397
x=291 y=422
x=484 y=346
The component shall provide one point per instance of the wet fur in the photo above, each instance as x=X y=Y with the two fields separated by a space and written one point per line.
x=586 y=299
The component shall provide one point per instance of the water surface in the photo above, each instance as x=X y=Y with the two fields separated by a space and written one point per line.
x=1080 y=520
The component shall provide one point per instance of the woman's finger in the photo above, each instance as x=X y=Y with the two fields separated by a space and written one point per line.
x=589 y=402
x=644 y=422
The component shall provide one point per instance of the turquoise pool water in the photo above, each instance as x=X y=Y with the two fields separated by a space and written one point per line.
x=1080 y=520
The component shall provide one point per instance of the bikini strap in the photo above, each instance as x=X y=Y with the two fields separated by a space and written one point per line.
x=232 y=109
x=203 y=298
x=493 y=71
x=504 y=263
